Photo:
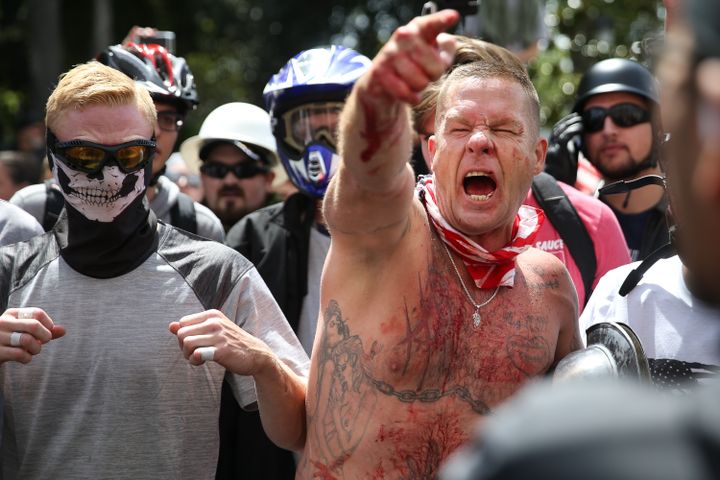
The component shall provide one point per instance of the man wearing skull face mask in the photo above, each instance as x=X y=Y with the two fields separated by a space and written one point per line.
x=172 y=87
x=117 y=389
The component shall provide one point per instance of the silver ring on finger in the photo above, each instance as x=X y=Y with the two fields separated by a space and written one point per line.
x=15 y=338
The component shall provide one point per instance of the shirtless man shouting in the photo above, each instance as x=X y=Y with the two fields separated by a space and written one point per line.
x=435 y=309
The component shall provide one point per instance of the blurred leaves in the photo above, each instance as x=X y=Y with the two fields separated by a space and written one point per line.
x=234 y=46
x=581 y=33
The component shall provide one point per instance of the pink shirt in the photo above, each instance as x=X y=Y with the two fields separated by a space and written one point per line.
x=610 y=248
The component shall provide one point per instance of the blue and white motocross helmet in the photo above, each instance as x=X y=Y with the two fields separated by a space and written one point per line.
x=304 y=100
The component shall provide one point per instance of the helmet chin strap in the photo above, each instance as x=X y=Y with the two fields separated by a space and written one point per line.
x=624 y=186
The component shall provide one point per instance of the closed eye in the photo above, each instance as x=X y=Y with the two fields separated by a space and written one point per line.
x=513 y=128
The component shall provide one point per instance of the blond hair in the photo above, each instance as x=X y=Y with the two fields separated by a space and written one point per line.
x=92 y=84
x=493 y=60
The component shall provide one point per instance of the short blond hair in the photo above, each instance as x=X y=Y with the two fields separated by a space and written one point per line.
x=497 y=60
x=91 y=84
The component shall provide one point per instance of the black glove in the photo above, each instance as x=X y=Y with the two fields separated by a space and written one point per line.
x=562 y=156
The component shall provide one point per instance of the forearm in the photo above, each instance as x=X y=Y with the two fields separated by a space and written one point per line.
x=371 y=195
x=375 y=146
x=375 y=137
x=281 y=401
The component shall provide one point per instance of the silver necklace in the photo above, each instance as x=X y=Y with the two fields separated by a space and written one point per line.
x=476 y=315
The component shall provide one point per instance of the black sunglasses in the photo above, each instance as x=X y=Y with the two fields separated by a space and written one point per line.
x=240 y=170
x=623 y=115
x=91 y=157
x=170 y=121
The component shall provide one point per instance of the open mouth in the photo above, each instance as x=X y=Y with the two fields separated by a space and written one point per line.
x=479 y=186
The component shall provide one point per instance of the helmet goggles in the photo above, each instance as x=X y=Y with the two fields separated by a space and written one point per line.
x=91 y=157
x=311 y=122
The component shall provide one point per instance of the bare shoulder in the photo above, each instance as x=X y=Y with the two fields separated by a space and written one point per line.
x=550 y=285
x=548 y=280
x=543 y=267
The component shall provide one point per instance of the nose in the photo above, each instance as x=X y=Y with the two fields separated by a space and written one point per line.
x=231 y=178
x=609 y=126
x=479 y=143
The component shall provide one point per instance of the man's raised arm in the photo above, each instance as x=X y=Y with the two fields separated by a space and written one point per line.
x=371 y=194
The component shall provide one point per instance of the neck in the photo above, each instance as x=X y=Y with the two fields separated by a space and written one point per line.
x=638 y=200
x=107 y=249
x=496 y=239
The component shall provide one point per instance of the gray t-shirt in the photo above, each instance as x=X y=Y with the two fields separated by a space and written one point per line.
x=114 y=397
x=16 y=225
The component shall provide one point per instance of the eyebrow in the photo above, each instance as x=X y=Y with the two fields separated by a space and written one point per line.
x=505 y=120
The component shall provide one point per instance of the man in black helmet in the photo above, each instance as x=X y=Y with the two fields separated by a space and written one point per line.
x=675 y=306
x=172 y=87
x=616 y=124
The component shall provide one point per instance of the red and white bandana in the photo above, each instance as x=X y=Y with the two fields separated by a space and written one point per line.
x=488 y=269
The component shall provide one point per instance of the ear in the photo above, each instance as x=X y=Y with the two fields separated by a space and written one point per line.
x=270 y=178
x=540 y=150
x=432 y=147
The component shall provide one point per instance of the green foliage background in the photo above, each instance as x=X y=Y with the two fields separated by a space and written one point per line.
x=234 y=46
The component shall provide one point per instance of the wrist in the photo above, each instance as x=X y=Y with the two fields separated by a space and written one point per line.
x=266 y=365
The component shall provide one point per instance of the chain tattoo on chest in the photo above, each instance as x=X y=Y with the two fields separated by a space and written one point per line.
x=428 y=364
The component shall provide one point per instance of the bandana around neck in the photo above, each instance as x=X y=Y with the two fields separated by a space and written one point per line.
x=487 y=269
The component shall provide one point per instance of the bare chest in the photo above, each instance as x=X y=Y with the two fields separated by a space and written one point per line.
x=406 y=376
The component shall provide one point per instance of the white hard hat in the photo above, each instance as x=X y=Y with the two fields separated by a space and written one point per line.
x=240 y=122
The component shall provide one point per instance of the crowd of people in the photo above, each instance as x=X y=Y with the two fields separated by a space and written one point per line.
x=312 y=303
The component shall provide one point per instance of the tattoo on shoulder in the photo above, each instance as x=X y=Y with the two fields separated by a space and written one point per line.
x=546 y=278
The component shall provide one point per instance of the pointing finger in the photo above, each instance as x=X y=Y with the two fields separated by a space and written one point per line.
x=430 y=26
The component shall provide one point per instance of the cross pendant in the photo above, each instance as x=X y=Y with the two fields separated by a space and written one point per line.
x=476 y=318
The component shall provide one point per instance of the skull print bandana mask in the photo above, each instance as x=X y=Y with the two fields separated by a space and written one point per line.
x=102 y=196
